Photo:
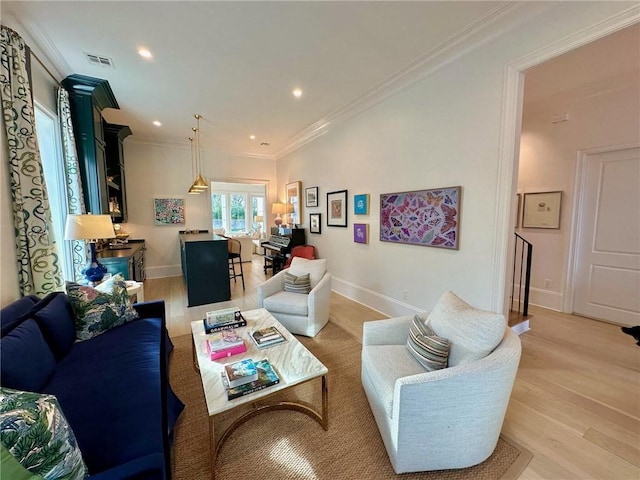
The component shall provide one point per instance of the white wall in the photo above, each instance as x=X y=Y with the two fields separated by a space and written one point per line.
x=163 y=170
x=548 y=157
x=442 y=131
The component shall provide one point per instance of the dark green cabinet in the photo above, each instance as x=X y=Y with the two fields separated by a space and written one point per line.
x=127 y=260
x=114 y=136
x=97 y=144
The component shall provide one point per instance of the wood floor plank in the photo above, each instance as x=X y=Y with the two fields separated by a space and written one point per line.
x=617 y=447
x=564 y=446
x=575 y=402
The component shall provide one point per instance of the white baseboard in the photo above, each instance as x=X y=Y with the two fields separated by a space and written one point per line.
x=543 y=298
x=376 y=301
x=163 y=271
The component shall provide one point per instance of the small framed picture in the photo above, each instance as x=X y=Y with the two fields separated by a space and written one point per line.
x=519 y=210
x=311 y=197
x=315 y=225
x=168 y=211
x=337 y=209
x=361 y=232
x=542 y=210
x=361 y=204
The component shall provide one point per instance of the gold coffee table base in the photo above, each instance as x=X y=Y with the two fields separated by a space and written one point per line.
x=321 y=418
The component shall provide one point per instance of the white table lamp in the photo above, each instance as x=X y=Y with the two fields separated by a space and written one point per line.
x=91 y=228
x=278 y=209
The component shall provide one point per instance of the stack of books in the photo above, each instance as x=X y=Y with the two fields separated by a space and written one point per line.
x=224 y=344
x=225 y=319
x=245 y=377
x=266 y=337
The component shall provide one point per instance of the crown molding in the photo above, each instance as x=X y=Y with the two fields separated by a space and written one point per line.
x=44 y=48
x=158 y=142
x=180 y=144
x=617 y=22
x=259 y=156
x=479 y=32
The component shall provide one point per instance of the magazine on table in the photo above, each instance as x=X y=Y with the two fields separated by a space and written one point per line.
x=267 y=336
x=267 y=377
x=228 y=318
x=239 y=373
x=224 y=344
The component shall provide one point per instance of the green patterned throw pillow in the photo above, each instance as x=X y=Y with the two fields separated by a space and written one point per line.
x=99 y=309
x=34 y=431
x=297 y=284
x=429 y=349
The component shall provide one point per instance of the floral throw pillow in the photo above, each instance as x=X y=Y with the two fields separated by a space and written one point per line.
x=99 y=309
x=35 y=432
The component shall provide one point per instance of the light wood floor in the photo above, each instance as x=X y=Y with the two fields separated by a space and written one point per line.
x=576 y=400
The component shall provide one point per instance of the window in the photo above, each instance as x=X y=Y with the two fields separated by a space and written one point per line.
x=218 y=210
x=53 y=168
x=257 y=210
x=238 y=213
x=234 y=206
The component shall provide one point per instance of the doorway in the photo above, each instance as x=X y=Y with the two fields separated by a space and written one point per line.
x=556 y=126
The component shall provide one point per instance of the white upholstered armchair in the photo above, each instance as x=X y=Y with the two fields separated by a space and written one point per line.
x=442 y=419
x=303 y=314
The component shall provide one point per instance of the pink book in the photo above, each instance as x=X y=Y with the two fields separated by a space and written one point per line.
x=225 y=352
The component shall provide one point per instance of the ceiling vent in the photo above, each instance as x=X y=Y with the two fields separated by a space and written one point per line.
x=99 y=60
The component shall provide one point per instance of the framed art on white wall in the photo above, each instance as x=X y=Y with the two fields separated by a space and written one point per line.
x=311 y=197
x=337 y=208
x=542 y=210
x=168 y=211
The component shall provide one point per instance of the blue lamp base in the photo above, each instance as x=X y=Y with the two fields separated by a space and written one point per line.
x=94 y=271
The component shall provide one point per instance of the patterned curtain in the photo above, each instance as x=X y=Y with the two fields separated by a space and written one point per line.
x=39 y=271
x=75 y=199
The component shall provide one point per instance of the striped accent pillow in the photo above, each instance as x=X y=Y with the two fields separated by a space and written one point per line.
x=295 y=284
x=429 y=349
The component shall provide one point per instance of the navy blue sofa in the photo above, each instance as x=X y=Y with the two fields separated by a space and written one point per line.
x=113 y=389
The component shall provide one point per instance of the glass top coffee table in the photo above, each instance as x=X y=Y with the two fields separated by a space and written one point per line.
x=292 y=361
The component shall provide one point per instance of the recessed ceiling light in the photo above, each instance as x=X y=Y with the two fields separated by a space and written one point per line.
x=252 y=137
x=143 y=52
x=297 y=92
x=157 y=123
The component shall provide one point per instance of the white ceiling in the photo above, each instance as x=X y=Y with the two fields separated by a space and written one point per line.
x=236 y=63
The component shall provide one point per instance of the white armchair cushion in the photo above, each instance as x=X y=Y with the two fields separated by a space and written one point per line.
x=315 y=269
x=384 y=364
x=287 y=302
x=472 y=333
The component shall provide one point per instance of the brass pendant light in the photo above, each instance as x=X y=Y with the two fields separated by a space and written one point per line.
x=193 y=190
x=199 y=183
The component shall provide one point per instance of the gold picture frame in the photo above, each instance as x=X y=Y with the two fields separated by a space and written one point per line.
x=294 y=204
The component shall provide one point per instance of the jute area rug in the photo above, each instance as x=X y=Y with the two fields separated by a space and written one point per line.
x=282 y=445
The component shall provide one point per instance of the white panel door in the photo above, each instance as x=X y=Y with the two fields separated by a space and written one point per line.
x=607 y=281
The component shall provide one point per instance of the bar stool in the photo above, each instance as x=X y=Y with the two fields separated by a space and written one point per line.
x=235 y=251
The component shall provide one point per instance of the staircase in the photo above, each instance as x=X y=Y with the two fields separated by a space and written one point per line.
x=520 y=285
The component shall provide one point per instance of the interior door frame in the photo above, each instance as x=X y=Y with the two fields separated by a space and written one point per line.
x=579 y=192
x=509 y=153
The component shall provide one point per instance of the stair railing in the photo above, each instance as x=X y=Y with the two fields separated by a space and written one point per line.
x=522 y=255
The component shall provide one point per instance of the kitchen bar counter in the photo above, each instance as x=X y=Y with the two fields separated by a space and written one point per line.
x=205 y=267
